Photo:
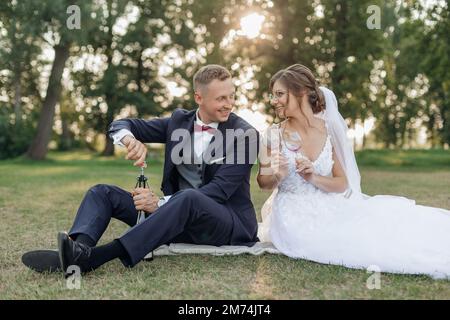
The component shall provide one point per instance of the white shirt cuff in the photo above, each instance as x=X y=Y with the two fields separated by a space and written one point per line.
x=119 y=135
x=163 y=201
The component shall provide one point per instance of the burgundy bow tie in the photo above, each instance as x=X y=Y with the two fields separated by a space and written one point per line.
x=201 y=128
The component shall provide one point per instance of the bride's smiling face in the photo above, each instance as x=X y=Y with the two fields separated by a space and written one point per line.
x=284 y=103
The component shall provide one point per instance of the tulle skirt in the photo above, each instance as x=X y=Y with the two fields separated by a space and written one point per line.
x=390 y=233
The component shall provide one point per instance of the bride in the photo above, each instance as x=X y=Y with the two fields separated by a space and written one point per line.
x=317 y=211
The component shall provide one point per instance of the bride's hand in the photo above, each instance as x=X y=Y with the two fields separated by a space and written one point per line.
x=304 y=168
x=279 y=165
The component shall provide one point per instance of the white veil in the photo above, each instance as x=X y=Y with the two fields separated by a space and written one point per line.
x=337 y=128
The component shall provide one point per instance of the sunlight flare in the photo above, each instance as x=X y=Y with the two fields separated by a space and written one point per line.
x=251 y=25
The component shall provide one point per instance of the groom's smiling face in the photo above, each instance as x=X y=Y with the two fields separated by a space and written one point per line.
x=215 y=100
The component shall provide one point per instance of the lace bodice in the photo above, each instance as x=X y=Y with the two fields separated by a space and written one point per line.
x=323 y=166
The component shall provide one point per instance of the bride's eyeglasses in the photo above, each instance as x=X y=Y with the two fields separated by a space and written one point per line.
x=276 y=96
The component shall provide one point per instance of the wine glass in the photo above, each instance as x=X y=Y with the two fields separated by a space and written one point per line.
x=293 y=142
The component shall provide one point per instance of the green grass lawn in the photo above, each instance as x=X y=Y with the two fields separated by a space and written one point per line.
x=37 y=199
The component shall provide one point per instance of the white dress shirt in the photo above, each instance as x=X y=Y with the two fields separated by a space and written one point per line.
x=201 y=142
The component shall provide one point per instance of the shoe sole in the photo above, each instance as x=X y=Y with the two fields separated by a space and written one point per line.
x=42 y=267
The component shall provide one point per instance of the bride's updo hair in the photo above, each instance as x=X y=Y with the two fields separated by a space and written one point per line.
x=299 y=79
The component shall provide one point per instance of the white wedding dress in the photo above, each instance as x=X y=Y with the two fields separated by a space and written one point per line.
x=391 y=233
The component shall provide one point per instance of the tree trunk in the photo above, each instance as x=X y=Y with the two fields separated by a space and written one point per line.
x=340 y=42
x=110 y=93
x=17 y=78
x=109 y=145
x=17 y=99
x=39 y=146
x=66 y=141
x=363 y=145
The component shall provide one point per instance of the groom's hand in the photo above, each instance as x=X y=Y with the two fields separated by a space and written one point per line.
x=136 y=150
x=145 y=199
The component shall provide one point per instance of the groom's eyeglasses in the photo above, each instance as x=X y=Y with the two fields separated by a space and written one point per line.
x=276 y=96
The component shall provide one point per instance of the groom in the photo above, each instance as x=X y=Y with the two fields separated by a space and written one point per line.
x=208 y=158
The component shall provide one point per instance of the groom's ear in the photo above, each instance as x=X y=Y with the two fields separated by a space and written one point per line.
x=198 y=97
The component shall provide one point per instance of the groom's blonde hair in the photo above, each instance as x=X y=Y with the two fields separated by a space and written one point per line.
x=300 y=80
x=208 y=73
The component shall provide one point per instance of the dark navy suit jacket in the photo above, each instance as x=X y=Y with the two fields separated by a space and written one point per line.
x=227 y=184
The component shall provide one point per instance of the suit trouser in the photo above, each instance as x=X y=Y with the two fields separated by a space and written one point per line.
x=189 y=216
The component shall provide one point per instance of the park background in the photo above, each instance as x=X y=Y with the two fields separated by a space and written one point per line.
x=69 y=68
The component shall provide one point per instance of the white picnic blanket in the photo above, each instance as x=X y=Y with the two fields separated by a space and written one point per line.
x=187 y=248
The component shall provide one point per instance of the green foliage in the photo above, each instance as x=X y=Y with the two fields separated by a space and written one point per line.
x=354 y=49
x=130 y=78
x=398 y=74
x=15 y=137
x=435 y=62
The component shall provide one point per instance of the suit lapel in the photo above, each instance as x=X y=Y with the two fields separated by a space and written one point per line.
x=187 y=123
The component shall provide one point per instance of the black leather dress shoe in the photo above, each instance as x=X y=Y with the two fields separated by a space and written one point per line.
x=72 y=253
x=42 y=260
